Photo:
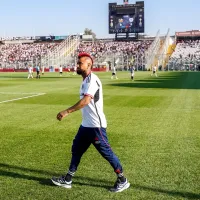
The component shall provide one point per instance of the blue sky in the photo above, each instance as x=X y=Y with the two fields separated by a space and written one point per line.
x=64 y=17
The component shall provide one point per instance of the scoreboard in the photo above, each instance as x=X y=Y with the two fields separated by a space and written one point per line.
x=127 y=18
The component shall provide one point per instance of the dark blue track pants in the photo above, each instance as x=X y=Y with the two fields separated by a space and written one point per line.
x=97 y=137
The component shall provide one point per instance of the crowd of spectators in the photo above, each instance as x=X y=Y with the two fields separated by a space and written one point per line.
x=16 y=53
x=20 y=53
x=186 y=56
x=186 y=52
x=127 y=53
x=97 y=49
x=188 y=49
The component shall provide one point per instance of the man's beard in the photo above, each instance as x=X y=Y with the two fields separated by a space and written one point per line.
x=79 y=71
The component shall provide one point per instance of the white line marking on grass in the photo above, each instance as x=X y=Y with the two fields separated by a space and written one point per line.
x=36 y=95
x=19 y=93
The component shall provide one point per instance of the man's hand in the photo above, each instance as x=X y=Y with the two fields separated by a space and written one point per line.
x=79 y=105
x=62 y=115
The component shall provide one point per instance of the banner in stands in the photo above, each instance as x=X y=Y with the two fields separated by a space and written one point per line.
x=39 y=38
x=60 y=37
x=46 y=38
x=87 y=37
x=188 y=33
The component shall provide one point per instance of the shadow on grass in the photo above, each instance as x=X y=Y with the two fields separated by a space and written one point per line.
x=79 y=180
x=16 y=175
x=187 y=195
x=13 y=167
x=182 y=80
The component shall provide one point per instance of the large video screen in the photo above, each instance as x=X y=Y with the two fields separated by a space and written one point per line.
x=122 y=23
x=126 y=19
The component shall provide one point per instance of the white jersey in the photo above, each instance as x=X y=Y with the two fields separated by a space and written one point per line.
x=30 y=70
x=61 y=69
x=132 y=70
x=114 y=70
x=93 y=115
x=154 y=69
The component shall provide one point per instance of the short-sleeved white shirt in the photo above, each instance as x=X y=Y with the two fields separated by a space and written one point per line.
x=30 y=69
x=114 y=70
x=93 y=115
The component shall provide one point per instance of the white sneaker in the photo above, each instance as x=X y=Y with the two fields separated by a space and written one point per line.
x=62 y=182
x=120 y=186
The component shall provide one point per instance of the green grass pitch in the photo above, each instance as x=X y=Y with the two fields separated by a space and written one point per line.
x=153 y=127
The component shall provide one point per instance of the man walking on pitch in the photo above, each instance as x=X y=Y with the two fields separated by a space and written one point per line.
x=75 y=68
x=30 y=72
x=60 y=70
x=114 y=73
x=132 y=70
x=154 y=71
x=93 y=127
x=37 y=71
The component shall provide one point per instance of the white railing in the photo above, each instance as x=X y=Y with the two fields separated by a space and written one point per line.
x=62 y=53
x=152 y=51
x=163 y=51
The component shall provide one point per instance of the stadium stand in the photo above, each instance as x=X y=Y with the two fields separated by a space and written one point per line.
x=187 y=50
x=105 y=50
x=186 y=55
x=168 y=53
x=15 y=53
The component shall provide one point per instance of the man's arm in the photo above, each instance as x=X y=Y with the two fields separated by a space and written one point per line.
x=80 y=104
